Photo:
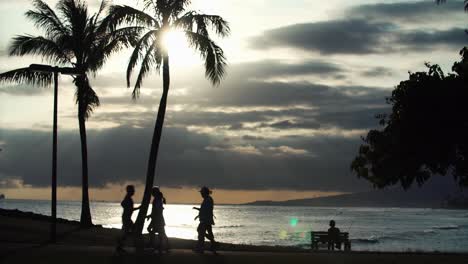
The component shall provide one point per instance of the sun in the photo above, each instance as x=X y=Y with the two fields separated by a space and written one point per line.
x=177 y=46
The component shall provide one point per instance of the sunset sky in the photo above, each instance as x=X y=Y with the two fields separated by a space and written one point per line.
x=305 y=80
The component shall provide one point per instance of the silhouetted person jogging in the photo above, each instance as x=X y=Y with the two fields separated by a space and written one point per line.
x=157 y=221
x=333 y=236
x=127 y=223
x=205 y=216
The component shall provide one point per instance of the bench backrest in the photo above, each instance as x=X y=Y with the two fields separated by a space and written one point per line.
x=320 y=235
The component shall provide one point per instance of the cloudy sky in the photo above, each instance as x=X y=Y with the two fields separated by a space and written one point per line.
x=305 y=80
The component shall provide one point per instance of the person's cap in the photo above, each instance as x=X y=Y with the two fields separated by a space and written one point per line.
x=205 y=189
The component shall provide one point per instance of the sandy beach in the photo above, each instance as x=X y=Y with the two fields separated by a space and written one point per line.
x=24 y=239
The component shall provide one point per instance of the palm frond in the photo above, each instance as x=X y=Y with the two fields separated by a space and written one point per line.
x=152 y=58
x=215 y=61
x=30 y=45
x=177 y=7
x=85 y=96
x=128 y=15
x=44 y=17
x=104 y=5
x=149 y=4
x=26 y=76
x=145 y=43
x=202 y=22
x=75 y=13
x=111 y=43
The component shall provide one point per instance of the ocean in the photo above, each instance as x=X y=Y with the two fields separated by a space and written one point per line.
x=375 y=229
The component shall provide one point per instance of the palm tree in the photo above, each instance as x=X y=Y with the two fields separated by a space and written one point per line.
x=150 y=53
x=77 y=39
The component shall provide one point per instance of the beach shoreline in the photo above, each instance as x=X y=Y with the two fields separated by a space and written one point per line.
x=25 y=239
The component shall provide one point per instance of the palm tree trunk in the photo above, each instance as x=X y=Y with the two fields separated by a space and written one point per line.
x=153 y=156
x=85 y=218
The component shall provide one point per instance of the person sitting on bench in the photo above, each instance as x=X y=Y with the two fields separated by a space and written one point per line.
x=333 y=236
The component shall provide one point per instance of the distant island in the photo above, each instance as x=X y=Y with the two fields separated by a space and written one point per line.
x=380 y=198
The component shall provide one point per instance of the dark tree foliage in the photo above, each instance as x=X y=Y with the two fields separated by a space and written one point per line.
x=425 y=134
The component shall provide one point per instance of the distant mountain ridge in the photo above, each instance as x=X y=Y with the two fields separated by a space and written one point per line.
x=378 y=198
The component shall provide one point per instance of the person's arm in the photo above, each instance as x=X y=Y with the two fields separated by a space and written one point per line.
x=196 y=208
x=137 y=208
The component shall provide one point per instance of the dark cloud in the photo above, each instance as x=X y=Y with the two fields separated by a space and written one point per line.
x=421 y=11
x=378 y=72
x=372 y=29
x=428 y=39
x=249 y=138
x=275 y=68
x=120 y=154
x=191 y=158
x=329 y=37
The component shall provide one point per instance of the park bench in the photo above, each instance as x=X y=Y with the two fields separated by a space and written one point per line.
x=321 y=238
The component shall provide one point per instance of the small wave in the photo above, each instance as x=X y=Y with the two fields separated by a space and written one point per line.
x=447 y=227
x=230 y=226
x=365 y=240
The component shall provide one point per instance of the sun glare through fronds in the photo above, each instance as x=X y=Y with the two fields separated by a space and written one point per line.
x=176 y=44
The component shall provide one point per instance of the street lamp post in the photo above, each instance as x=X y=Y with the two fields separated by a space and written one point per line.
x=55 y=71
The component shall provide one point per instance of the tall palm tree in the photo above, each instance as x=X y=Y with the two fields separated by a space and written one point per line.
x=77 y=39
x=161 y=17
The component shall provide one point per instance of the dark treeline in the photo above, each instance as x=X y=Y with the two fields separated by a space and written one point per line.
x=425 y=134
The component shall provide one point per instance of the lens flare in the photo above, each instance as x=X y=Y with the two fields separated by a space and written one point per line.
x=293 y=222
x=283 y=234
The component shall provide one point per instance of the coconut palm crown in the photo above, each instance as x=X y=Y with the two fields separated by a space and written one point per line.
x=150 y=54
x=74 y=38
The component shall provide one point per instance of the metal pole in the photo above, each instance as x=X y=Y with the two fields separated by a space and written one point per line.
x=53 y=229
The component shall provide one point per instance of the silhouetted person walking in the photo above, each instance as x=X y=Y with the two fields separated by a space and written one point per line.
x=205 y=216
x=157 y=220
x=333 y=236
x=127 y=223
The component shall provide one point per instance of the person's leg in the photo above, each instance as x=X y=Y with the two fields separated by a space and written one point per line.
x=163 y=239
x=152 y=235
x=209 y=234
x=126 y=229
x=201 y=237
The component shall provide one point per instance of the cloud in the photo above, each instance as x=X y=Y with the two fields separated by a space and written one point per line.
x=248 y=149
x=13 y=89
x=119 y=154
x=328 y=37
x=417 y=12
x=418 y=39
x=289 y=124
x=378 y=72
x=374 y=29
x=286 y=150
x=274 y=68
